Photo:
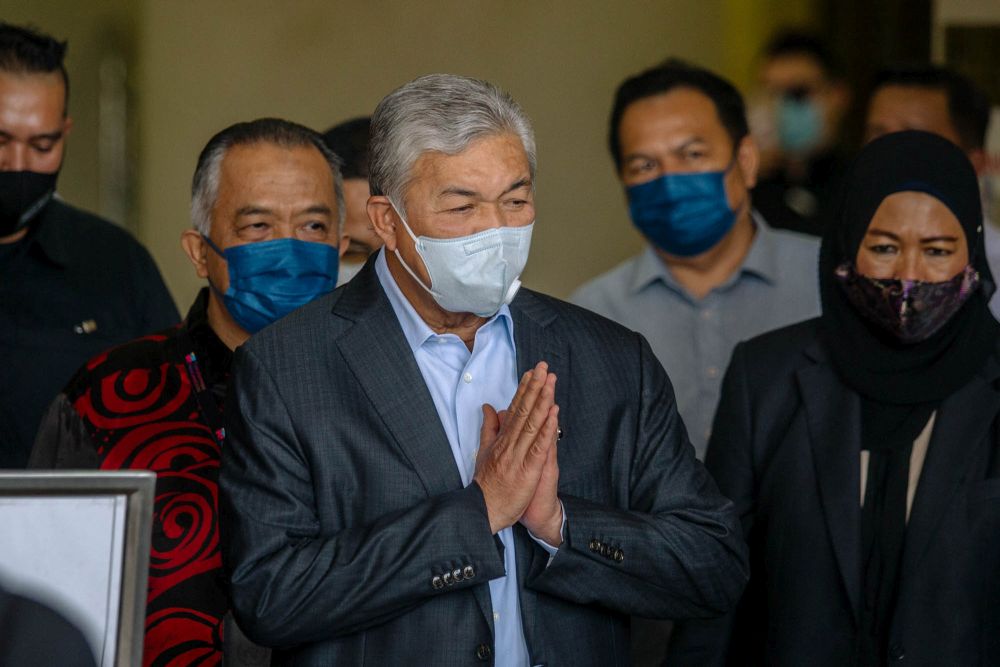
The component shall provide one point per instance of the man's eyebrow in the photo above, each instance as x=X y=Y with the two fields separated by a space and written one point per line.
x=321 y=209
x=252 y=209
x=455 y=190
x=51 y=136
x=517 y=185
x=938 y=239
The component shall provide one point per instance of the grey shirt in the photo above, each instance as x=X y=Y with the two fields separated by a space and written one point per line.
x=776 y=285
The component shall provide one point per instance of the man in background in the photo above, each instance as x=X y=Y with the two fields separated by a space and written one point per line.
x=939 y=100
x=349 y=140
x=679 y=140
x=266 y=207
x=714 y=272
x=796 y=121
x=71 y=284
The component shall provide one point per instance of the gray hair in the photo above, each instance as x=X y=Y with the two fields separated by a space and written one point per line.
x=438 y=112
x=283 y=133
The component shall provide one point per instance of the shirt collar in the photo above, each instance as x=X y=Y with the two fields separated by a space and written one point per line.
x=761 y=261
x=415 y=330
x=213 y=355
x=46 y=237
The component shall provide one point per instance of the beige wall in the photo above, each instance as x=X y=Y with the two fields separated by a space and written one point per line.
x=206 y=65
x=198 y=66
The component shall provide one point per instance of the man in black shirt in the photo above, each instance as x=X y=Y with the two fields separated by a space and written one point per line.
x=71 y=284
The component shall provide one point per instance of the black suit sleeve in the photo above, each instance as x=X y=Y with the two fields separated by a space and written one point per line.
x=730 y=461
x=292 y=585
x=676 y=551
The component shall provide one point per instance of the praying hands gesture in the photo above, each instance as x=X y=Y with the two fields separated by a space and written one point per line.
x=517 y=467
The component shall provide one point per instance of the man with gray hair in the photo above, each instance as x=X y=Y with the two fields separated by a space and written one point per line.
x=407 y=483
x=267 y=211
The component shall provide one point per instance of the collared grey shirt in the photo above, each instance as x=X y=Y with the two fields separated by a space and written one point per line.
x=776 y=285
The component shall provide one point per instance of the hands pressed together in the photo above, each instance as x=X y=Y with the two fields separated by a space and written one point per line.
x=516 y=467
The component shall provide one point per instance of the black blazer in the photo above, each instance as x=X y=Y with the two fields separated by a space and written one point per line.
x=786 y=448
x=350 y=537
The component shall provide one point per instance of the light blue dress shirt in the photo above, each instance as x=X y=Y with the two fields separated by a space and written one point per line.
x=460 y=382
x=693 y=338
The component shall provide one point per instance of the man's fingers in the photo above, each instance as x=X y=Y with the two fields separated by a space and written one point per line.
x=491 y=424
x=533 y=424
x=545 y=439
x=525 y=398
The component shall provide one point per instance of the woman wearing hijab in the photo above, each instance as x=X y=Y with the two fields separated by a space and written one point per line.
x=862 y=448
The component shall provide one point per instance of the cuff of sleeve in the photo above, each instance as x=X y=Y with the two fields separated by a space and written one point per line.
x=551 y=550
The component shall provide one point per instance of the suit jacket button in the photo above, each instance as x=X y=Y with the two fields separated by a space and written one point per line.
x=605 y=550
x=897 y=652
x=456 y=574
x=468 y=572
x=483 y=652
x=437 y=583
x=619 y=555
x=594 y=545
x=447 y=578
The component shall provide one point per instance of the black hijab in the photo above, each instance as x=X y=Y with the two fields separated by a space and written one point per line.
x=869 y=360
x=900 y=385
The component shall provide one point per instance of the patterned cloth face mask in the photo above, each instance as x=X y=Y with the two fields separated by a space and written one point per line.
x=911 y=310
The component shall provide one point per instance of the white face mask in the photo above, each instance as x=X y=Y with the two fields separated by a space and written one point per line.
x=476 y=273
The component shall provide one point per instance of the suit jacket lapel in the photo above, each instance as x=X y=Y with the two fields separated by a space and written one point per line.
x=961 y=424
x=834 y=419
x=534 y=343
x=383 y=365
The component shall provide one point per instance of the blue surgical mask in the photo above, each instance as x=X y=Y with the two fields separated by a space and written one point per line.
x=800 y=124
x=682 y=214
x=269 y=279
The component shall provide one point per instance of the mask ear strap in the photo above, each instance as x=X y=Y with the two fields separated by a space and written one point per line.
x=416 y=245
x=214 y=247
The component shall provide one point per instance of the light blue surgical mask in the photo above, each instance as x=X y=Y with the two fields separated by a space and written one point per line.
x=476 y=274
x=800 y=124
x=683 y=214
x=269 y=279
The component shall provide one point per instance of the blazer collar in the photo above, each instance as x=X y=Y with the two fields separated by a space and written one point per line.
x=833 y=413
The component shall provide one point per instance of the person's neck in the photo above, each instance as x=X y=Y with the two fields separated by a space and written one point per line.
x=441 y=321
x=702 y=273
x=231 y=334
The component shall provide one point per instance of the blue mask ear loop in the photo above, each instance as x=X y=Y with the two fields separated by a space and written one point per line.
x=221 y=254
x=725 y=172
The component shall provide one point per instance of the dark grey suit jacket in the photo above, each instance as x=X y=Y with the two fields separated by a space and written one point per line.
x=785 y=448
x=341 y=503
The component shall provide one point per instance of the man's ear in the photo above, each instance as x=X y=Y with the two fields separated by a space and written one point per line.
x=345 y=243
x=383 y=217
x=196 y=249
x=67 y=126
x=748 y=160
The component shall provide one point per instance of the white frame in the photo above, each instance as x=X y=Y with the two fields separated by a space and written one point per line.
x=138 y=488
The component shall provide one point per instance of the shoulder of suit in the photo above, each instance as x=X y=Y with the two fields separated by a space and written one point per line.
x=574 y=320
x=76 y=223
x=782 y=349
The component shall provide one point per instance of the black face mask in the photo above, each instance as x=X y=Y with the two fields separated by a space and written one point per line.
x=23 y=194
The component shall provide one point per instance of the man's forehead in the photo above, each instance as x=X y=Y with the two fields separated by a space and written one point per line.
x=36 y=101
x=682 y=112
x=913 y=108
x=791 y=70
